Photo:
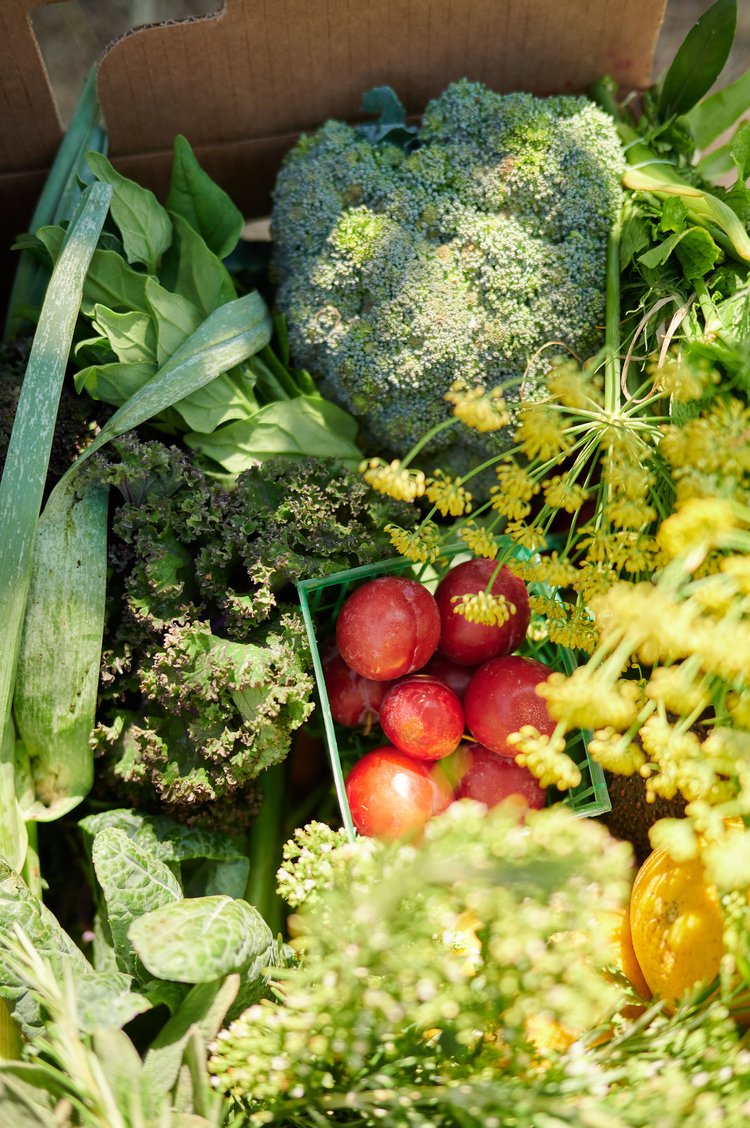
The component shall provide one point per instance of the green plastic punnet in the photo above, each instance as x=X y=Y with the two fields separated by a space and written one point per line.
x=322 y=598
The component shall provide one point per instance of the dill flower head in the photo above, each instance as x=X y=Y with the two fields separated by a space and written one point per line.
x=392 y=479
x=514 y=481
x=483 y=607
x=590 y=698
x=698 y=525
x=682 y=378
x=679 y=688
x=541 y=431
x=571 y=385
x=421 y=545
x=479 y=540
x=562 y=492
x=545 y=757
x=528 y=536
x=482 y=410
x=616 y=752
x=448 y=494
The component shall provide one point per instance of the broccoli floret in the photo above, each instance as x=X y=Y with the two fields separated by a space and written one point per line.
x=403 y=269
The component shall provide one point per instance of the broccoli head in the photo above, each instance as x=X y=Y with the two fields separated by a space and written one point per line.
x=403 y=269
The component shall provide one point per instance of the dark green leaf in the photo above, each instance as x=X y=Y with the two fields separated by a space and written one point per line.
x=211 y=878
x=199 y=200
x=144 y=224
x=197 y=940
x=164 y=838
x=219 y=402
x=674 y=215
x=699 y=61
x=304 y=426
x=694 y=247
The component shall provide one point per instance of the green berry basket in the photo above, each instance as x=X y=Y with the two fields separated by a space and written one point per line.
x=321 y=600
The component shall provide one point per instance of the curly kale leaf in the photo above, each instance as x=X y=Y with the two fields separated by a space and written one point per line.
x=206 y=672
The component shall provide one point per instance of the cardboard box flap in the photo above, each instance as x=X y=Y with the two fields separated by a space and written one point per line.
x=31 y=129
x=260 y=68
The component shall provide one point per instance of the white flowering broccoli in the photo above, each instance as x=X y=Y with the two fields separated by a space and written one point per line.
x=402 y=268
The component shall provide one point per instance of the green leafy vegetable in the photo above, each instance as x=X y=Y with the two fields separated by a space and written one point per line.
x=195 y=197
x=699 y=61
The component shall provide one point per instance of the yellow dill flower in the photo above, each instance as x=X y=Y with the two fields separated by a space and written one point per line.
x=545 y=757
x=420 y=545
x=561 y=492
x=634 y=552
x=514 y=481
x=549 y=607
x=680 y=689
x=623 y=471
x=678 y=756
x=571 y=385
x=528 y=536
x=577 y=634
x=698 y=525
x=590 y=699
x=738 y=707
x=593 y=579
x=448 y=494
x=599 y=546
x=677 y=837
x=541 y=431
x=392 y=479
x=680 y=378
x=478 y=408
x=514 y=508
x=624 y=513
x=615 y=752
x=483 y=607
x=724 y=648
x=478 y=540
x=738 y=567
x=556 y=570
x=661 y=628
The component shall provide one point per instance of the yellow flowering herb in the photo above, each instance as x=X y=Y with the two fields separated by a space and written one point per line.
x=514 y=508
x=546 y=758
x=556 y=571
x=576 y=634
x=448 y=495
x=421 y=545
x=541 y=431
x=483 y=607
x=679 y=688
x=681 y=378
x=590 y=698
x=482 y=410
x=572 y=386
x=698 y=525
x=624 y=513
x=528 y=536
x=392 y=479
x=548 y=606
x=615 y=752
x=514 y=481
x=593 y=579
x=561 y=492
x=479 y=540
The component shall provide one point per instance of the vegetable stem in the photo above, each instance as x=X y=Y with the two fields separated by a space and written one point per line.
x=264 y=849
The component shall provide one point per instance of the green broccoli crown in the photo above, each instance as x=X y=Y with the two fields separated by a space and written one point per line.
x=401 y=271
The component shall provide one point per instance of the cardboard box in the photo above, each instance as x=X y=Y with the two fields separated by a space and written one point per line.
x=242 y=84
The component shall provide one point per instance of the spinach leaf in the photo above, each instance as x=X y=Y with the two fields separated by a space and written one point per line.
x=199 y=200
x=144 y=224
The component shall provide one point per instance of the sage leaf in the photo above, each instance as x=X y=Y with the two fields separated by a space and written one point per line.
x=25 y=1103
x=163 y=838
x=13 y=833
x=59 y=655
x=144 y=224
x=133 y=883
x=304 y=426
x=197 y=940
x=104 y=999
x=199 y=200
x=699 y=61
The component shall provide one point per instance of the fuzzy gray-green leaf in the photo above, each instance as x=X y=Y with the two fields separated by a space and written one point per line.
x=133 y=883
x=200 y=939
